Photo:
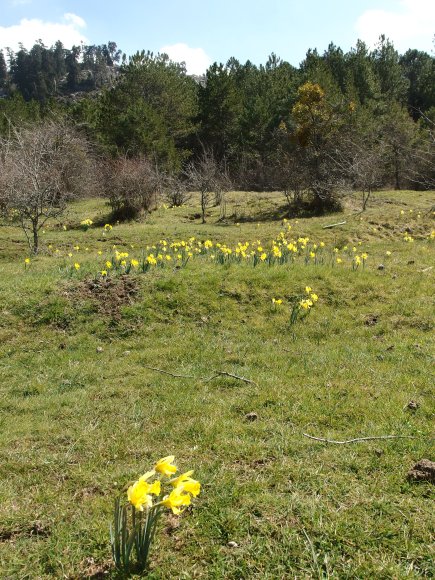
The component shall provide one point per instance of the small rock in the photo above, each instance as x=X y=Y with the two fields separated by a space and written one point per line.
x=99 y=349
x=379 y=452
x=127 y=352
x=394 y=276
x=232 y=544
x=251 y=416
x=423 y=470
x=62 y=346
x=381 y=267
x=391 y=347
x=413 y=405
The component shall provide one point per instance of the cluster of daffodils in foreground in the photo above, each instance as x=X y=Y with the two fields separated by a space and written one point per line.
x=132 y=535
x=300 y=305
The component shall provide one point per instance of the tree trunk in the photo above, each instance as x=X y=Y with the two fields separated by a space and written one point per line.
x=203 y=205
x=35 y=237
x=396 y=170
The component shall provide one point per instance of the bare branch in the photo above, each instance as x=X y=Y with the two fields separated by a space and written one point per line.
x=357 y=439
x=205 y=380
x=225 y=374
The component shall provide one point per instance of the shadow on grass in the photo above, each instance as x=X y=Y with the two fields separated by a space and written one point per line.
x=285 y=211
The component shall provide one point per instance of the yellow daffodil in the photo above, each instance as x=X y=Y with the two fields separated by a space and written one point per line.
x=139 y=494
x=77 y=266
x=175 y=500
x=104 y=273
x=186 y=483
x=314 y=297
x=27 y=261
x=109 y=264
x=134 y=263
x=165 y=466
x=308 y=289
x=278 y=301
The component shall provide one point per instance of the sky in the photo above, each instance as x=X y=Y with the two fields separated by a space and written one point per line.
x=200 y=32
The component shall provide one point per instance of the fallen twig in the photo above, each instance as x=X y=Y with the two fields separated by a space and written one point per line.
x=333 y=225
x=168 y=373
x=364 y=438
x=225 y=374
x=205 y=380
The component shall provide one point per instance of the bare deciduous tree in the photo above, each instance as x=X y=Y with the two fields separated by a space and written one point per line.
x=176 y=190
x=361 y=161
x=42 y=167
x=132 y=186
x=212 y=182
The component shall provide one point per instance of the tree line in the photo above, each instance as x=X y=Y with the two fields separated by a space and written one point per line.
x=361 y=119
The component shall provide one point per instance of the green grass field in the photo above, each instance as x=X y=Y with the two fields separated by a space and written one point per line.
x=83 y=415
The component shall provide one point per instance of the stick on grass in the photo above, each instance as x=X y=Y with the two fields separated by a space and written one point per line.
x=205 y=380
x=357 y=439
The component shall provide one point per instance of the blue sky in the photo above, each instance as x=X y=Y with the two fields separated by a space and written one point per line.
x=201 y=32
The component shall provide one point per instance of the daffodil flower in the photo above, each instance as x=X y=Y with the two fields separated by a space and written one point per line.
x=186 y=483
x=175 y=500
x=165 y=467
x=139 y=494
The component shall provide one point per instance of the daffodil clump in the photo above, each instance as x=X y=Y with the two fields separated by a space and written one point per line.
x=136 y=514
x=86 y=223
x=302 y=305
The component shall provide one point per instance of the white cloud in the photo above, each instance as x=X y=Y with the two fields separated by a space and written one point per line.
x=411 y=25
x=196 y=59
x=28 y=31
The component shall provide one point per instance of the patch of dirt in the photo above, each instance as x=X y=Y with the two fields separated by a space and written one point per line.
x=172 y=524
x=107 y=294
x=371 y=319
x=423 y=470
x=33 y=529
x=88 y=492
x=92 y=569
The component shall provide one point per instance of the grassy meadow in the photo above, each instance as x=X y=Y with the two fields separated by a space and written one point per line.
x=83 y=414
